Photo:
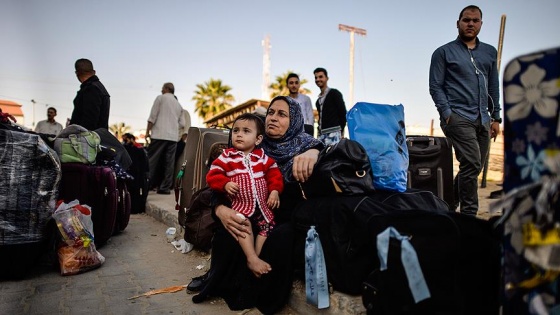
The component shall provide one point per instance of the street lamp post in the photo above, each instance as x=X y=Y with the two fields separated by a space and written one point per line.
x=352 y=30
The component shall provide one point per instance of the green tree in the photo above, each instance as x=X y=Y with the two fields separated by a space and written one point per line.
x=119 y=129
x=280 y=87
x=212 y=97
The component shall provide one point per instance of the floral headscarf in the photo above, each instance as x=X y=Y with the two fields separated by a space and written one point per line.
x=295 y=141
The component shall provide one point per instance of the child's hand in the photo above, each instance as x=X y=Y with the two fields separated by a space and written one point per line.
x=232 y=188
x=273 y=200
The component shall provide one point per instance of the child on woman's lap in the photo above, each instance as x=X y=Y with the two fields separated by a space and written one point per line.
x=253 y=182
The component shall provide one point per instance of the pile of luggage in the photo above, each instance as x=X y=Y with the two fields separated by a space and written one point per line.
x=39 y=172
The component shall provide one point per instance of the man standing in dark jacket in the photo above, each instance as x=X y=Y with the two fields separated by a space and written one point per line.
x=91 y=105
x=464 y=84
x=331 y=109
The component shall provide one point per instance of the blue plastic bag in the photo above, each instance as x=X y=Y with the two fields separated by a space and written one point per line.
x=380 y=129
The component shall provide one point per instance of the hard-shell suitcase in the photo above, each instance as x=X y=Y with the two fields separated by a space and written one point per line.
x=95 y=186
x=531 y=211
x=430 y=165
x=196 y=155
x=140 y=170
x=123 y=206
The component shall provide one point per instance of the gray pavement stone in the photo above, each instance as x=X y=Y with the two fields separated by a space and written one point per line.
x=44 y=303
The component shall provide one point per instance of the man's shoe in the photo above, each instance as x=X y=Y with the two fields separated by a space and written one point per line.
x=164 y=192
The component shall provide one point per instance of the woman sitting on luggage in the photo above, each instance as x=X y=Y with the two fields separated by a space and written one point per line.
x=296 y=153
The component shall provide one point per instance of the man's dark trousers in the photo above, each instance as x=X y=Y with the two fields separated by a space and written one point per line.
x=162 y=156
x=470 y=141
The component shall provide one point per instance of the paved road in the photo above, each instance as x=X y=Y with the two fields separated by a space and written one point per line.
x=138 y=260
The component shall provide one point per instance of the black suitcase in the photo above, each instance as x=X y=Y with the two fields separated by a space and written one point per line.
x=139 y=186
x=459 y=257
x=341 y=222
x=431 y=166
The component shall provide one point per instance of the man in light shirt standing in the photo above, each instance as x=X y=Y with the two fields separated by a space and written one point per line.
x=49 y=126
x=304 y=101
x=166 y=117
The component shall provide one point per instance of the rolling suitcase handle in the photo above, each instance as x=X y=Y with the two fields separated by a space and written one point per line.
x=426 y=146
x=179 y=185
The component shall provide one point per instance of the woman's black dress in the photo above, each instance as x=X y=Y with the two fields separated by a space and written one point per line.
x=230 y=278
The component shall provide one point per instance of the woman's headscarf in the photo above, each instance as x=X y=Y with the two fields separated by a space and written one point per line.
x=295 y=141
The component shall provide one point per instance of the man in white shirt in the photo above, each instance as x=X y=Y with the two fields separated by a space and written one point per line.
x=304 y=101
x=166 y=118
x=49 y=126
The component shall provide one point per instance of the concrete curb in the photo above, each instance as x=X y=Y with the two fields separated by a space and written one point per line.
x=165 y=216
x=340 y=303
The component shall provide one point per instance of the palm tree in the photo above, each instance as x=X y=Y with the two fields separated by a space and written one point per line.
x=281 y=88
x=119 y=129
x=211 y=98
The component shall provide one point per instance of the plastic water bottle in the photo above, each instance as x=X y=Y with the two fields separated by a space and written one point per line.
x=171 y=234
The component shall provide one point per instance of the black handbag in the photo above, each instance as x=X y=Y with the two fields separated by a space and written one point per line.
x=342 y=169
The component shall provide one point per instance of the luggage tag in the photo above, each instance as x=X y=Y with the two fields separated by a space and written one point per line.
x=316 y=284
x=409 y=259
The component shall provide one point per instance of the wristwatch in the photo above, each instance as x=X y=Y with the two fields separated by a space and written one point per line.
x=498 y=120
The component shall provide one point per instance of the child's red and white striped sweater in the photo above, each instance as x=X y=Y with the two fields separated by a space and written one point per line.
x=256 y=174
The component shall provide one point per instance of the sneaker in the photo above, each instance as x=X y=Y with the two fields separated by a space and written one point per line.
x=164 y=192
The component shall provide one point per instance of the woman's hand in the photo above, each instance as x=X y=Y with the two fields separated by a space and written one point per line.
x=304 y=163
x=234 y=224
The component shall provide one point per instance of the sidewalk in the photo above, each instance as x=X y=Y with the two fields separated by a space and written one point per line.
x=162 y=208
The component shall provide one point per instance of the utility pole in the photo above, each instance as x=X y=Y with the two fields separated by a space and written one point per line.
x=352 y=30
x=265 y=95
x=499 y=61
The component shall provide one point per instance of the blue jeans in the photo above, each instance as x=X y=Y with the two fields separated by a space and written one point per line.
x=470 y=141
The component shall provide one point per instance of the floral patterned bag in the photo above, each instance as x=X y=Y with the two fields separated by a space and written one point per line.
x=531 y=220
x=531 y=120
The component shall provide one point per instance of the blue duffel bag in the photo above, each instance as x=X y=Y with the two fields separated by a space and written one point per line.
x=380 y=129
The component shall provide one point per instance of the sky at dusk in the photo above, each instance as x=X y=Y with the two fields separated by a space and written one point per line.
x=137 y=45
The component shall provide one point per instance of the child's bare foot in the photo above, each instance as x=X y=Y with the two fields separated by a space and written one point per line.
x=258 y=266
